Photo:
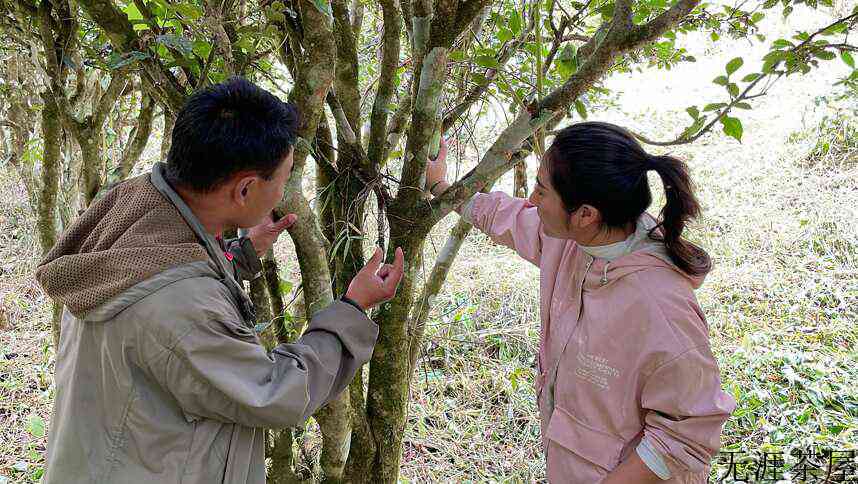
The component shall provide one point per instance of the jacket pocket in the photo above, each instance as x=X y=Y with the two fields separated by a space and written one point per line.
x=578 y=453
x=208 y=449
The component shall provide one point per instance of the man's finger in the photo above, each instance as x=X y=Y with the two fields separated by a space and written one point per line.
x=285 y=222
x=395 y=271
x=384 y=271
x=374 y=261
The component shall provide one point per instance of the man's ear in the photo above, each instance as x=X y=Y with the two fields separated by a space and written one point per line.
x=242 y=189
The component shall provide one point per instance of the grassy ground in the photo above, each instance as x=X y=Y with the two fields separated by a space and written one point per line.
x=780 y=215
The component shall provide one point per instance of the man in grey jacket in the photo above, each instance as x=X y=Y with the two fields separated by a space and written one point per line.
x=160 y=375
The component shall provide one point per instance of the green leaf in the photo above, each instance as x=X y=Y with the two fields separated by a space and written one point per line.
x=782 y=44
x=582 y=110
x=752 y=77
x=285 y=287
x=824 y=54
x=733 y=89
x=695 y=127
x=457 y=55
x=714 y=106
x=36 y=426
x=504 y=35
x=721 y=80
x=115 y=61
x=189 y=11
x=132 y=12
x=567 y=61
x=515 y=22
x=732 y=127
x=835 y=29
x=693 y=112
x=757 y=17
x=486 y=61
x=847 y=58
x=734 y=65
x=202 y=49
x=181 y=44
x=742 y=105
x=772 y=59
x=714 y=36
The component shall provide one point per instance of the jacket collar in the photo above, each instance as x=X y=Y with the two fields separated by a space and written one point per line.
x=207 y=240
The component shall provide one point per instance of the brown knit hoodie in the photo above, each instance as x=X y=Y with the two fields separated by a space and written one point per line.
x=126 y=237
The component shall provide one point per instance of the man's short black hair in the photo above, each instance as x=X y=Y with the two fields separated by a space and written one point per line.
x=228 y=128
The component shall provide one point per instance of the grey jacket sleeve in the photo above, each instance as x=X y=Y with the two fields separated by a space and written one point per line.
x=247 y=264
x=218 y=370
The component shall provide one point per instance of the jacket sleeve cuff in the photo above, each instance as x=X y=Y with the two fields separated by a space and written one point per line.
x=652 y=458
x=247 y=264
x=354 y=303
x=466 y=208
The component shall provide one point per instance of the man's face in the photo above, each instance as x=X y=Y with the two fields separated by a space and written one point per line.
x=258 y=196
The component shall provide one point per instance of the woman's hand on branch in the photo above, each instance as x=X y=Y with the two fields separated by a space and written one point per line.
x=436 y=171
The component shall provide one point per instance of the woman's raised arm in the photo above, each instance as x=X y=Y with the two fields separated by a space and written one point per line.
x=507 y=220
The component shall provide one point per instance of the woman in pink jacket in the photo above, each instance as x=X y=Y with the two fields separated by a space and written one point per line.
x=627 y=387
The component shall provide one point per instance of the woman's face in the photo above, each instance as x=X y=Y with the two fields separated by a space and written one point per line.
x=555 y=218
x=581 y=225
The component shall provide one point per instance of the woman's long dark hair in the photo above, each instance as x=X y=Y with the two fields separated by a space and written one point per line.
x=603 y=165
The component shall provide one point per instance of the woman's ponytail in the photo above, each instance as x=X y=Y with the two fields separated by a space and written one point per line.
x=681 y=206
x=603 y=165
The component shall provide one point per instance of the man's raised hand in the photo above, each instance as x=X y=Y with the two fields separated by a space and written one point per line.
x=265 y=234
x=376 y=282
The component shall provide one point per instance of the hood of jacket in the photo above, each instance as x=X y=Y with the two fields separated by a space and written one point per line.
x=122 y=239
x=644 y=252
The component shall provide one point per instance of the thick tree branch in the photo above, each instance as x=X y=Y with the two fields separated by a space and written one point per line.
x=345 y=131
x=138 y=137
x=346 y=80
x=387 y=72
x=424 y=123
x=656 y=27
x=465 y=14
x=47 y=199
x=118 y=29
x=397 y=126
x=315 y=75
x=619 y=38
x=448 y=21
x=500 y=157
x=118 y=80
x=221 y=40
x=357 y=16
